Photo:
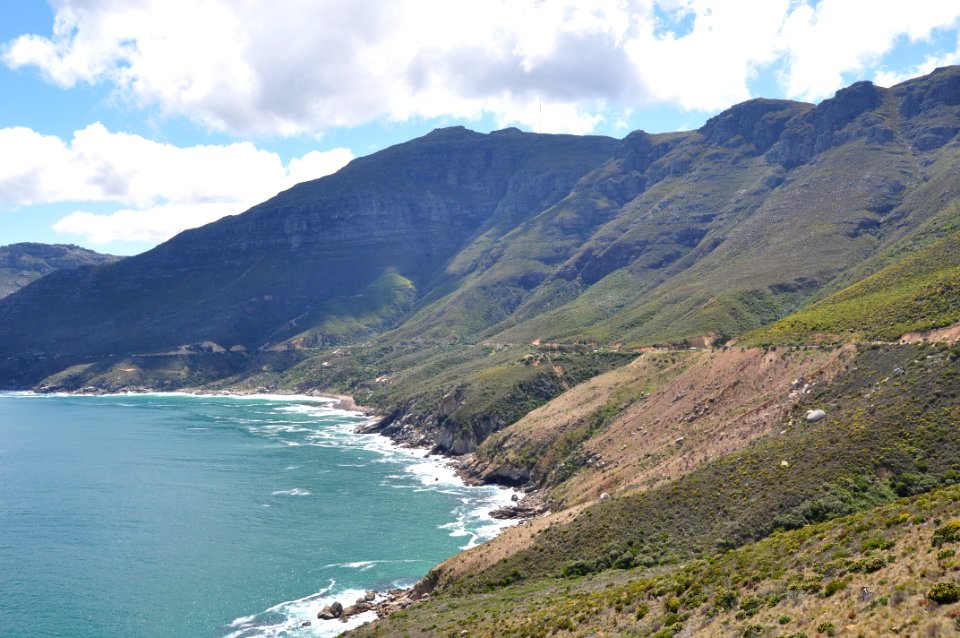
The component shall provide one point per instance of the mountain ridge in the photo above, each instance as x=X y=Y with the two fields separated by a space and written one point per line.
x=25 y=262
x=424 y=258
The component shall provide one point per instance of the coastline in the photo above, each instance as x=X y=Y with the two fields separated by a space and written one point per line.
x=446 y=469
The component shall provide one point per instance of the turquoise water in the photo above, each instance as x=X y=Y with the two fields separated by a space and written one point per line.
x=174 y=515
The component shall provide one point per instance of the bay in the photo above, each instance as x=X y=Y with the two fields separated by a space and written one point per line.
x=181 y=515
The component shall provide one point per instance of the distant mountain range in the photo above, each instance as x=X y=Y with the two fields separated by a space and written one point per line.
x=512 y=237
x=21 y=264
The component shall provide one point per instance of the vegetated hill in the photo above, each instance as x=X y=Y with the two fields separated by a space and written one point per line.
x=327 y=260
x=887 y=433
x=919 y=292
x=654 y=420
x=421 y=256
x=890 y=432
x=890 y=570
x=21 y=264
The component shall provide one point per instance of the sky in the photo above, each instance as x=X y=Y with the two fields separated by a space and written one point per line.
x=124 y=122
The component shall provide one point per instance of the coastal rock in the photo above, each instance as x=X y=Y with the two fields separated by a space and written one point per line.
x=449 y=403
x=331 y=612
x=353 y=610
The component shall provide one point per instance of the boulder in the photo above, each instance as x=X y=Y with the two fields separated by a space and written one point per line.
x=331 y=611
x=816 y=415
x=353 y=610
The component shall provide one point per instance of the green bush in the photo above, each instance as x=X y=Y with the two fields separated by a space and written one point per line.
x=826 y=628
x=753 y=631
x=869 y=564
x=949 y=533
x=725 y=600
x=834 y=586
x=783 y=620
x=944 y=593
x=577 y=569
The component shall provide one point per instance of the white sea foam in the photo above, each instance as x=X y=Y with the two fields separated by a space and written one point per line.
x=367 y=564
x=318 y=424
x=294 y=492
x=286 y=619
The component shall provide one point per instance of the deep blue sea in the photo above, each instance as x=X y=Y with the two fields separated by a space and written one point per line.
x=209 y=516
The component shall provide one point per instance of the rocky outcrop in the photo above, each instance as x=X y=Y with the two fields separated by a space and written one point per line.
x=330 y=612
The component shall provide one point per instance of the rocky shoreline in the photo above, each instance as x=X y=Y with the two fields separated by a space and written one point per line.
x=530 y=505
x=383 y=604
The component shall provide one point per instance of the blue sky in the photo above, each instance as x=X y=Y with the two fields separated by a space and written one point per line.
x=123 y=122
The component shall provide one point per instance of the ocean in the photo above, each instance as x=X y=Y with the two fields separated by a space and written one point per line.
x=212 y=516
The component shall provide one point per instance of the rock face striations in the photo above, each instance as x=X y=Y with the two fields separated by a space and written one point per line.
x=512 y=237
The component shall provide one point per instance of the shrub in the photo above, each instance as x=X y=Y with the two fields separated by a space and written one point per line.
x=576 y=569
x=751 y=605
x=946 y=553
x=725 y=600
x=753 y=631
x=944 y=593
x=869 y=564
x=949 y=533
x=834 y=586
x=783 y=620
x=827 y=628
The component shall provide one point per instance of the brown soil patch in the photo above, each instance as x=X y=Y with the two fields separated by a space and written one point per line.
x=723 y=400
x=937 y=335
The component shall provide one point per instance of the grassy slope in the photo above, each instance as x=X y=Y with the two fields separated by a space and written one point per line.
x=919 y=292
x=900 y=427
x=620 y=429
x=887 y=436
x=803 y=582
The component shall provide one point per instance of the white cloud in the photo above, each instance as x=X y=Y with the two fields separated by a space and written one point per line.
x=306 y=66
x=823 y=43
x=153 y=225
x=164 y=188
x=889 y=78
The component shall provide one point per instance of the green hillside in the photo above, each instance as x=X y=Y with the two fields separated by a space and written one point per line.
x=887 y=436
x=919 y=292
x=886 y=571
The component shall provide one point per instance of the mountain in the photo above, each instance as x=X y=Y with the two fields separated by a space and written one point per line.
x=423 y=259
x=328 y=260
x=20 y=264
x=722 y=363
